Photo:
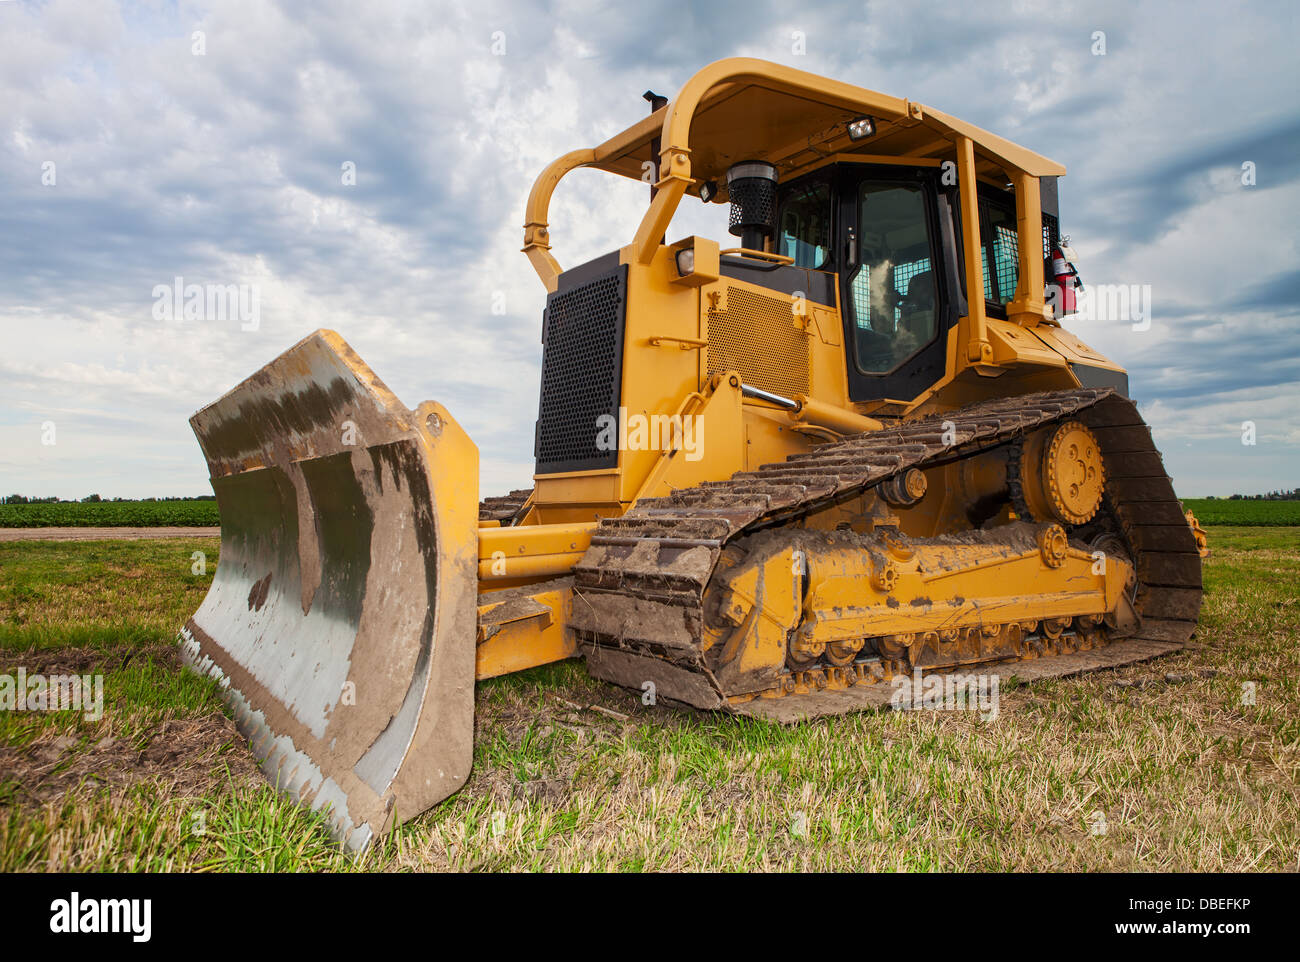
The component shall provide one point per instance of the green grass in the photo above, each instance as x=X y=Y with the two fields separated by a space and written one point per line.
x=1217 y=511
x=103 y=593
x=111 y=514
x=1209 y=511
x=1187 y=775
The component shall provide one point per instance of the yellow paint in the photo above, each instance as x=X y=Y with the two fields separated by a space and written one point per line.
x=691 y=342
x=534 y=638
x=763 y=602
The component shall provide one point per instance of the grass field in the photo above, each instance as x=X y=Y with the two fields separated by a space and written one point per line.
x=111 y=514
x=195 y=514
x=1160 y=766
x=1218 y=511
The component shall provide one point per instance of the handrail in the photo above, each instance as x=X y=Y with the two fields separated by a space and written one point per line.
x=760 y=255
x=537 y=238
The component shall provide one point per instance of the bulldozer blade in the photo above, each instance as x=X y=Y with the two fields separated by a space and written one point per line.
x=341 y=619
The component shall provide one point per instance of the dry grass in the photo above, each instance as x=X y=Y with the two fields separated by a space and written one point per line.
x=1186 y=775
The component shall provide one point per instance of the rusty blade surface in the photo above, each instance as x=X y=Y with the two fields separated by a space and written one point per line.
x=341 y=619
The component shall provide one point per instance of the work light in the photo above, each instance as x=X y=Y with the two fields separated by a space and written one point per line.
x=861 y=128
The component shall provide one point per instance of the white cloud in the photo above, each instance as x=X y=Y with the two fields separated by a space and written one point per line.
x=225 y=169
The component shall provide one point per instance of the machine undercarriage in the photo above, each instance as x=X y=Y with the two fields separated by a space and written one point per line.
x=794 y=590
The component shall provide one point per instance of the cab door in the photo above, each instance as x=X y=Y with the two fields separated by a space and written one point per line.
x=899 y=289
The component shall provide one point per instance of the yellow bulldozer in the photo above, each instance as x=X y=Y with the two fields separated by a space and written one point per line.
x=770 y=477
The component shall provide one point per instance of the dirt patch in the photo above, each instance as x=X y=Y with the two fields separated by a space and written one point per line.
x=104 y=534
x=551 y=790
x=85 y=661
x=185 y=757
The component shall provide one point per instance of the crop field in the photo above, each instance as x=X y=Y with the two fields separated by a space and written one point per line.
x=111 y=514
x=196 y=514
x=1184 y=763
x=1216 y=511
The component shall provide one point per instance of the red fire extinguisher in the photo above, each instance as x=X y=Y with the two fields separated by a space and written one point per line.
x=1065 y=280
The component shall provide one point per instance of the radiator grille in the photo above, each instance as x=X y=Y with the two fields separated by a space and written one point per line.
x=582 y=363
x=756 y=336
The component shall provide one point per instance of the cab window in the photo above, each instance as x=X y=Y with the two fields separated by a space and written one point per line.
x=892 y=291
x=805 y=226
x=998 y=224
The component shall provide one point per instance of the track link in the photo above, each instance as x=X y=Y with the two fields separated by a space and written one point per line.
x=640 y=590
x=504 y=507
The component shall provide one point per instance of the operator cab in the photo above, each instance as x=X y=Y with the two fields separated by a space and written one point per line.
x=889 y=233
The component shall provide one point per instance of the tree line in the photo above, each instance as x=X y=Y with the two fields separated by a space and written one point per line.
x=95 y=499
x=1292 y=495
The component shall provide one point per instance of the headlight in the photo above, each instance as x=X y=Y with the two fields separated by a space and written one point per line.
x=861 y=128
x=686 y=261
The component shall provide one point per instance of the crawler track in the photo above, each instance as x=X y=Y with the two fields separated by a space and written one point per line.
x=504 y=507
x=640 y=590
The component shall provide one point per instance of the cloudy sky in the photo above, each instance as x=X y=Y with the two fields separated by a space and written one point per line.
x=141 y=142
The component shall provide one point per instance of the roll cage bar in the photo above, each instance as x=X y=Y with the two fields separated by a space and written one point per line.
x=749 y=109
